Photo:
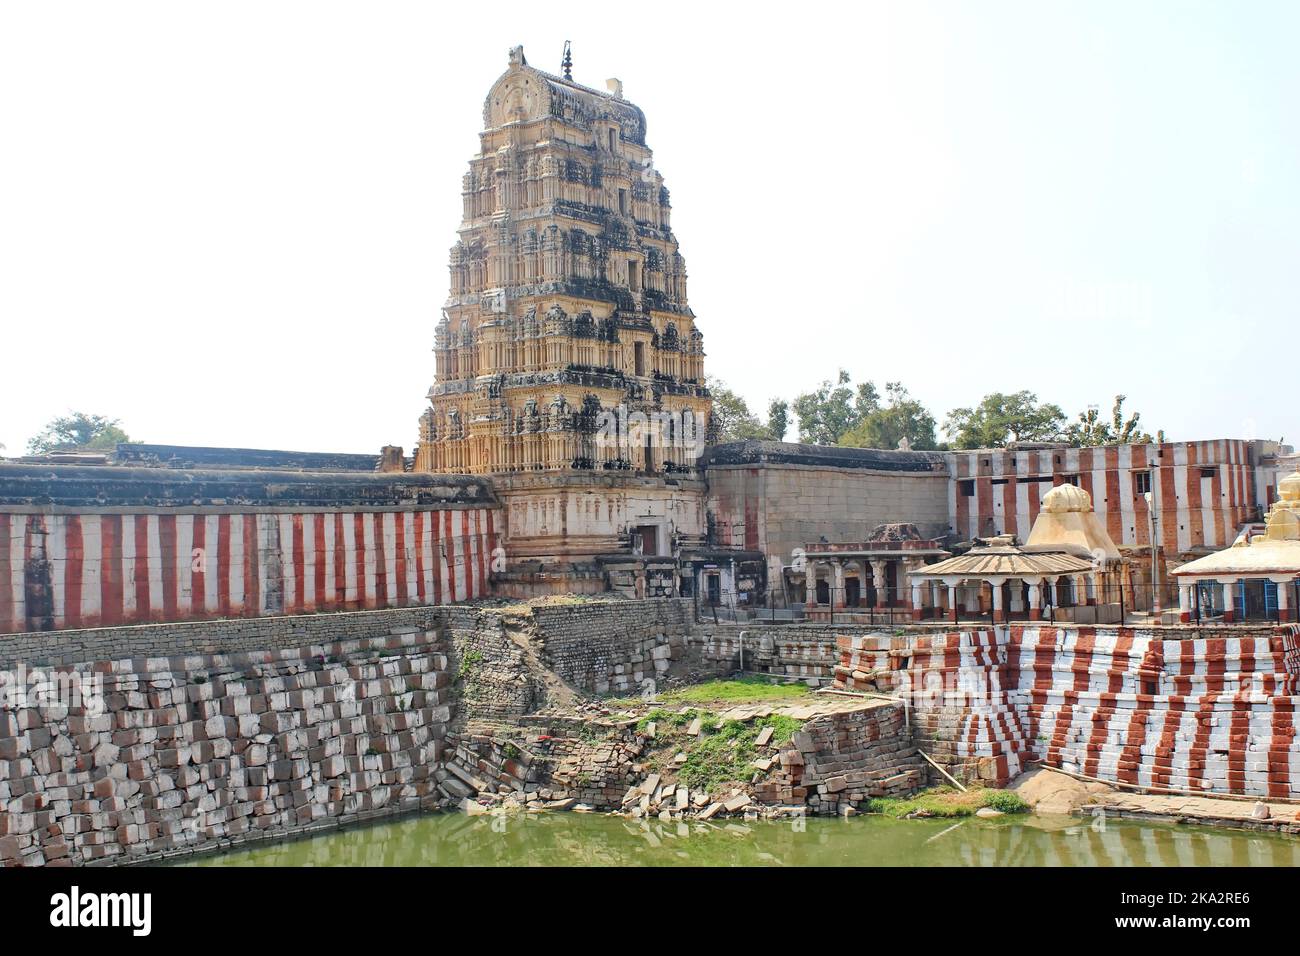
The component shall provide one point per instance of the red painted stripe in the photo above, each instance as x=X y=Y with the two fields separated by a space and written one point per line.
x=143 y=596
x=399 y=561
x=8 y=624
x=984 y=495
x=223 y=568
x=362 y=598
x=419 y=557
x=252 y=559
x=318 y=544
x=299 y=568
x=1168 y=504
x=74 y=556
x=198 y=568
x=110 y=570
x=1279 y=747
x=962 y=517
x=1114 y=500
x=1196 y=527
x=340 y=563
x=491 y=537
x=449 y=540
x=381 y=560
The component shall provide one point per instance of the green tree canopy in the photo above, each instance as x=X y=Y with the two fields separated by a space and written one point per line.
x=78 y=430
x=1001 y=419
x=1091 y=429
x=733 y=421
x=902 y=417
x=829 y=412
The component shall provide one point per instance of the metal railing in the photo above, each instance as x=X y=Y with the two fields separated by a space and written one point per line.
x=1253 y=602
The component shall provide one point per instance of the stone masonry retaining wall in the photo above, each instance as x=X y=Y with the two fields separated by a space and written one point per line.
x=203 y=751
x=1213 y=714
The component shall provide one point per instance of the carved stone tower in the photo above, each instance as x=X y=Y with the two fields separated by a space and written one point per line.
x=568 y=363
x=568 y=314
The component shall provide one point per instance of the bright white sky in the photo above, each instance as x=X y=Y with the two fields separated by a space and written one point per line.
x=228 y=224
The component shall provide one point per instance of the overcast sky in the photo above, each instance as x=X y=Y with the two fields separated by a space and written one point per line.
x=228 y=224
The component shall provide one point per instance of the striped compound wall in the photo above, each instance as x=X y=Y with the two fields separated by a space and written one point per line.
x=1204 y=490
x=1214 y=715
x=89 y=570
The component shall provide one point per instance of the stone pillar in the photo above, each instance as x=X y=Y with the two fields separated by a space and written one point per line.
x=1184 y=603
x=1080 y=585
x=936 y=597
x=999 y=612
x=837 y=585
x=810 y=585
x=1035 y=595
x=916 y=599
x=1283 y=599
x=953 y=609
x=1229 y=612
x=878 y=579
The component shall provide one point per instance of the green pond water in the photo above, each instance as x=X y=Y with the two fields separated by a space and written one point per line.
x=577 y=839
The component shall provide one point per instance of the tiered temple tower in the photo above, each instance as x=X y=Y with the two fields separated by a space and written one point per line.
x=568 y=312
x=568 y=363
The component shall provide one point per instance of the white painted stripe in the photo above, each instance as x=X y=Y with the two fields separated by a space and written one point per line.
x=368 y=543
x=212 y=565
x=350 y=557
x=330 y=597
x=17 y=582
x=309 y=561
x=184 y=564
x=288 y=583
x=236 y=569
x=128 y=567
x=426 y=548
x=389 y=546
x=57 y=554
x=408 y=548
x=153 y=558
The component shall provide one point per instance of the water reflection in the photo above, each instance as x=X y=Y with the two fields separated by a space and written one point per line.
x=571 y=839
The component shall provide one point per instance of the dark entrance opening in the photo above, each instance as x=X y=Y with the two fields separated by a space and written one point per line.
x=852 y=592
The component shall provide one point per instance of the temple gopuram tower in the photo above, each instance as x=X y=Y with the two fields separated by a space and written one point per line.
x=568 y=363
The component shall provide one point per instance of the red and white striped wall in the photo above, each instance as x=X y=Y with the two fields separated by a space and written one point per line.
x=1206 y=490
x=1218 y=716
x=90 y=570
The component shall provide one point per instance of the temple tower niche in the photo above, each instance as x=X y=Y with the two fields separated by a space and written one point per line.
x=567 y=316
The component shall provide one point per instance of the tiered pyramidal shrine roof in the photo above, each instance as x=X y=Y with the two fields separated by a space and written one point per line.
x=567 y=314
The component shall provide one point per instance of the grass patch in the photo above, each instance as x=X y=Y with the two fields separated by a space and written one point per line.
x=737 y=690
x=947 y=802
x=724 y=753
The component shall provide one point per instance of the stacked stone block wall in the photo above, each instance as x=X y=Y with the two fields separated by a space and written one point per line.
x=1206 y=714
x=161 y=755
x=842 y=759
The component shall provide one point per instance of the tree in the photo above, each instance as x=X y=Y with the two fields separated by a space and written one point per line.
x=886 y=426
x=778 y=419
x=1091 y=429
x=733 y=421
x=828 y=413
x=1001 y=419
x=78 y=430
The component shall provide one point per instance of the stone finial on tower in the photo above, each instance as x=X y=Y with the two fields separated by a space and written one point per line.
x=566 y=64
x=517 y=56
x=615 y=86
